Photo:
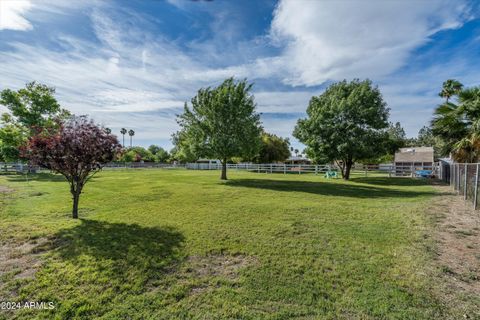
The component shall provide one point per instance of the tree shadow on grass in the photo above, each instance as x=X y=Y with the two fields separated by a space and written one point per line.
x=124 y=251
x=328 y=189
x=393 y=181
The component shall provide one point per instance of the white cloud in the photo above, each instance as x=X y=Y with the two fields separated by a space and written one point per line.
x=283 y=101
x=332 y=40
x=12 y=15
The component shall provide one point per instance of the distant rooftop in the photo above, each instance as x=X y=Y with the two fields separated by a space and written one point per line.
x=293 y=158
x=414 y=154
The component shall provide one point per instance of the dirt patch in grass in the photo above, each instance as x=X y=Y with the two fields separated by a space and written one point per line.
x=19 y=261
x=4 y=189
x=226 y=266
x=202 y=274
x=457 y=252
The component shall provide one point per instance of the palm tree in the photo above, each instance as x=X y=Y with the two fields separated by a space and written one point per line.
x=450 y=88
x=296 y=152
x=459 y=126
x=108 y=130
x=131 y=133
x=123 y=131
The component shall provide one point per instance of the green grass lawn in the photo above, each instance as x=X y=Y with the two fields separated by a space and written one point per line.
x=182 y=244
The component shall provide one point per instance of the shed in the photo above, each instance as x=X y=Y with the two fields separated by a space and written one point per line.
x=416 y=158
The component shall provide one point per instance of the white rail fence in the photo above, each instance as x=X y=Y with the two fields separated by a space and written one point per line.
x=142 y=165
x=265 y=167
x=387 y=169
x=19 y=167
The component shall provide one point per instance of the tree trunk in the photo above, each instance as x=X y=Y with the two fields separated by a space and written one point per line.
x=348 y=167
x=76 y=198
x=76 y=189
x=224 y=169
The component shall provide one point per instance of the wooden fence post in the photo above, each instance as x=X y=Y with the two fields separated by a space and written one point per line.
x=284 y=168
x=316 y=169
x=465 y=183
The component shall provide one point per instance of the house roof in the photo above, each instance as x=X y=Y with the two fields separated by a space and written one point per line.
x=414 y=154
x=293 y=158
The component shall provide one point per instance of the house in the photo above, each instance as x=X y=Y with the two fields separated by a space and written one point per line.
x=298 y=160
x=408 y=160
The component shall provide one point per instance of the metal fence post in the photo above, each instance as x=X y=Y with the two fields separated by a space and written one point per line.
x=465 y=183
x=476 y=189
x=452 y=176
x=458 y=178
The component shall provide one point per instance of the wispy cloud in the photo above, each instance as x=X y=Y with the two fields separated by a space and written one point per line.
x=12 y=15
x=332 y=40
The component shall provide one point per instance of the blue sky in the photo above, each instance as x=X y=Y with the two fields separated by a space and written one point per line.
x=134 y=63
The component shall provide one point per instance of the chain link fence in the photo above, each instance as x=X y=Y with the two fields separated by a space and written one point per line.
x=463 y=177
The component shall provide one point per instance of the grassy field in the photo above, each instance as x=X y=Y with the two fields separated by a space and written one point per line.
x=181 y=244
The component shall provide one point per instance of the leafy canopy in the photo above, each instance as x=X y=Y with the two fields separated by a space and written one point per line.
x=76 y=148
x=457 y=125
x=29 y=109
x=273 y=148
x=222 y=122
x=345 y=124
x=33 y=106
x=450 y=88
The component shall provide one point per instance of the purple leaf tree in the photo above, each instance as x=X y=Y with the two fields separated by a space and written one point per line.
x=78 y=148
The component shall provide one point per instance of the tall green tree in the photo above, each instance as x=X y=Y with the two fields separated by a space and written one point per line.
x=131 y=133
x=33 y=106
x=182 y=150
x=450 y=88
x=273 y=148
x=30 y=109
x=221 y=123
x=396 y=137
x=345 y=124
x=426 y=138
x=160 y=154
x=137 y=154
x=123 y=131
x=457 y=125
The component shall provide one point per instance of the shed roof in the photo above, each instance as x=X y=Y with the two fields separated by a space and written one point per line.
x=414 y=154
